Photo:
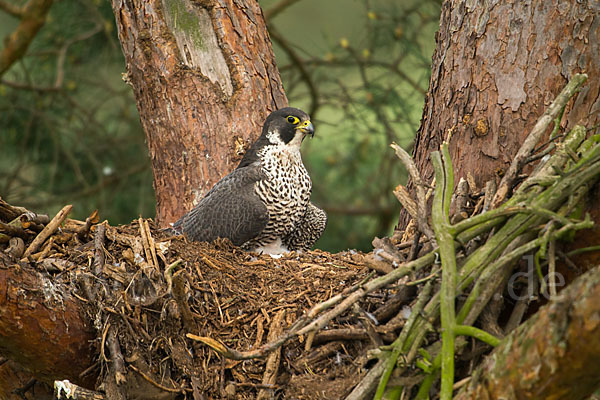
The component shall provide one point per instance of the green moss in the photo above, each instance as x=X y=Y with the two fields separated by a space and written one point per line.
x=182 y=20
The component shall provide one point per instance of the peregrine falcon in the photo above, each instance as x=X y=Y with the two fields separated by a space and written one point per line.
x=264 y=204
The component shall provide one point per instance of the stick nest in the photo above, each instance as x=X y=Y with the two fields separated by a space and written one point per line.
x=146 y=290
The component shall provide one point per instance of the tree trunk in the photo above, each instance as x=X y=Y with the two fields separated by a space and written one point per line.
x=41 y=327
x=496 y=67
x=204 y=78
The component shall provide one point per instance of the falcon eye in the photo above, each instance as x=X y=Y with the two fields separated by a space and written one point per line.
x=292 y=120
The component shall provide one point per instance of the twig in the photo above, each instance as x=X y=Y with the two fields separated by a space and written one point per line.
x=14 y=230
x=520 y=308
x=180 y=297
x=48 y=230
x=469 y=312
x=477 y=333
x=407 y=201
x=9 y=213
x=583 y=250
x=103 y=341
x=331 y=335
x=154 y=383
x=144 y=233
x=99 y=249
x=415 y=247
x=398 y=344
x=461 y=383
x=367 y=384
x=28 y=221
x=168 y=274
x=45 y=251
x=272 y=365
x=367 y=322
x=89 y=221
x=422 y=213
x=490 y=193
x=552 y=268
x=391 y=307
x=116 y=356
x=254 y=385
x=151 y=244
x=461 y=198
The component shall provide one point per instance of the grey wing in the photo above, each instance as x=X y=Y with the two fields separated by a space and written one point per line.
x=231 y=209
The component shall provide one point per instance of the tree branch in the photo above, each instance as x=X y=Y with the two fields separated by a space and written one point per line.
x=11 y=9
x=278 y=8
x=33 y=17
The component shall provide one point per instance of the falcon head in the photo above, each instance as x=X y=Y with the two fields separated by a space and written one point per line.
x=288 y=126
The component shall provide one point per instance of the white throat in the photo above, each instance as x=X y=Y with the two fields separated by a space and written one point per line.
x=293 y=144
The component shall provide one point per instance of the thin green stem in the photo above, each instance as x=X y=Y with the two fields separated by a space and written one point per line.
x=423 y=393
x=479 y=334
x=443 y=234
x=487 y=216
x=397 y=346
x=582 y=250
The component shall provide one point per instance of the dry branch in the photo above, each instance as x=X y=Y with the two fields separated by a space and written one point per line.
x=422 y=214
x=48 y=230
x=272 y=365
x=99 y=249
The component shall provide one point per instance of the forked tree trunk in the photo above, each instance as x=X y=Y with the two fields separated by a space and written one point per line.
x=204 y=78
x=496 y=67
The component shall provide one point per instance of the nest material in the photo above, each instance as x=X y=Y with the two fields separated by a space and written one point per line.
x=147 y=291
x=221 y=292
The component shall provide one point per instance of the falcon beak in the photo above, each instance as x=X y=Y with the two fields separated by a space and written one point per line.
x=307 y=128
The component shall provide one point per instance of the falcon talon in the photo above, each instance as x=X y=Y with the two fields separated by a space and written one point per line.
x=263 y=204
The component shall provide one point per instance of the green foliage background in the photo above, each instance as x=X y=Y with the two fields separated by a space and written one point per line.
x=70 y=132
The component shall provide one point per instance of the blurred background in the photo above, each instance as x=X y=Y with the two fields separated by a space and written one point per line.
x=70 y=132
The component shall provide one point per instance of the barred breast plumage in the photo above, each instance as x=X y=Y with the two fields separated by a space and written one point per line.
x=285 y=192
